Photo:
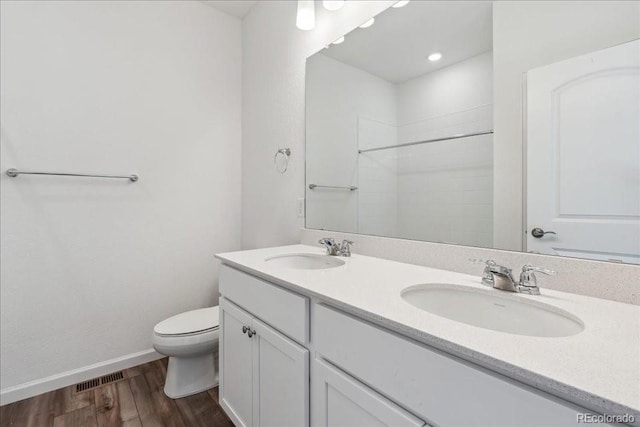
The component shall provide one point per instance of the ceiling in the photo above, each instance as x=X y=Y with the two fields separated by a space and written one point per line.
x=237 y=8
x=396 y=46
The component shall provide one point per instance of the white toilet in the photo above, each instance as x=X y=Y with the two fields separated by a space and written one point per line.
x=190 y=340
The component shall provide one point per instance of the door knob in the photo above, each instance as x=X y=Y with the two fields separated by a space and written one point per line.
x=539 y=232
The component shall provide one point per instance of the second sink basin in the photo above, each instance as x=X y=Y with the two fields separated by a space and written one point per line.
x=305 y=261
x=491 y=310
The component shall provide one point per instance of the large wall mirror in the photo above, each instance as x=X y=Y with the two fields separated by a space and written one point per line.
x=511 y=125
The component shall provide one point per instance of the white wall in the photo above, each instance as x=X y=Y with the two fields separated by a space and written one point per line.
x=340 y=99
x=526 y=35
x=273 y=102
x=462 y=86
x=445 y=189
x=90 y=265
x=378 y=176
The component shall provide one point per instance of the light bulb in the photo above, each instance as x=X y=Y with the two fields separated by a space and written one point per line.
x=332 y=4
x=401 y=3
x=340 y=40
x=368 y=23
x=436 y=56
x=306 y=17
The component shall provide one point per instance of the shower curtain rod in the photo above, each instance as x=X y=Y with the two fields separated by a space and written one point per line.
x=447 y=138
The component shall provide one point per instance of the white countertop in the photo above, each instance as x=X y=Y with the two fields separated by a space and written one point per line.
x=598 y=368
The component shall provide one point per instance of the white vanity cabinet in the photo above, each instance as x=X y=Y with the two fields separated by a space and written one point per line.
x=264 y=375
x=442 y=389
x=360 y=374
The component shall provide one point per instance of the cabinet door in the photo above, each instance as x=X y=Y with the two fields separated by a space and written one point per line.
x=236 y=364
x=281 y=380
x=342 y=401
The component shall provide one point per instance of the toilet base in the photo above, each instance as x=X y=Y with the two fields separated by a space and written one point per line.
x=190 y=375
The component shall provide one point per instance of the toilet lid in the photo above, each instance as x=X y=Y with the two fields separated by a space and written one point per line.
x=189 y=322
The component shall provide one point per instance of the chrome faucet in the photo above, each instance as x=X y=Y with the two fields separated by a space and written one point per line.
x=331 y=245
x=334 y=249
x=500 y=277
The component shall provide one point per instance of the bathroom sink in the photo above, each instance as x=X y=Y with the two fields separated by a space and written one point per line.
x=492 y=310
x=305 y=261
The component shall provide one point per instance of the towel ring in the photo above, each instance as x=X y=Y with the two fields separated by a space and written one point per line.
x=286 y=152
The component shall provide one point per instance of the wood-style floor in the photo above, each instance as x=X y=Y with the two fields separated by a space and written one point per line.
x=137 y=400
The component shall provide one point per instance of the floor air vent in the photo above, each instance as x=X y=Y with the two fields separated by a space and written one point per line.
x=116 y=376
x=96 y=382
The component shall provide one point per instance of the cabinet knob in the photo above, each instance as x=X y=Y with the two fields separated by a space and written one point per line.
x=251 y=333
x=244 y=329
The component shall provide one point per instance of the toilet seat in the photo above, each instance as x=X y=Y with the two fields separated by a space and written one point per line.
x=188 y=334
x=189 y=323
x=188 y=345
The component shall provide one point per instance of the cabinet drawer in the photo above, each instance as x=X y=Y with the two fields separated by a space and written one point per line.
x=339 y=400
x=283 y=310
x=430 y=383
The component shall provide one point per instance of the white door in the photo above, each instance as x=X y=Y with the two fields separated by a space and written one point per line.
x=236 y=364
x=341 y=401
x=583 y=156
x=282 y=380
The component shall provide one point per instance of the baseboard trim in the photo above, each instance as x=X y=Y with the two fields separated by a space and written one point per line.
x=54 y=382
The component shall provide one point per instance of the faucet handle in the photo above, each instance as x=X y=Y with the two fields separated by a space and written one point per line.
x=487 y=277
x=529 y=281
x=345 y=247
x=531 y=269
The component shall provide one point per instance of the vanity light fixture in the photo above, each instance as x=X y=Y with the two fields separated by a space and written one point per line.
x=306 y=16
x=436 y=56
x=368 y=23
x=401 y=3
x=338 y=41
x=333 y=4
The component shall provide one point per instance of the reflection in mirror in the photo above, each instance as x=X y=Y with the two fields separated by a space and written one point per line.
x=400 y=126
x=583 y=178
x=378 y=90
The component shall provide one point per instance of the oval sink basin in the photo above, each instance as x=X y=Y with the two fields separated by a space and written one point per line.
x=305 y=261
x=490 y=310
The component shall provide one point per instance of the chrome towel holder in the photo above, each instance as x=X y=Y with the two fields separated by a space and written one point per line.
x=286 y=152
x=333 y=187
x=13 y=173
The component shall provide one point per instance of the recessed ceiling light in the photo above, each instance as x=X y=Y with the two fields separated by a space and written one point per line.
x=434 y=57
x=401 y=3
x=368 y=23
x=340 y=40
x=332 y=4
